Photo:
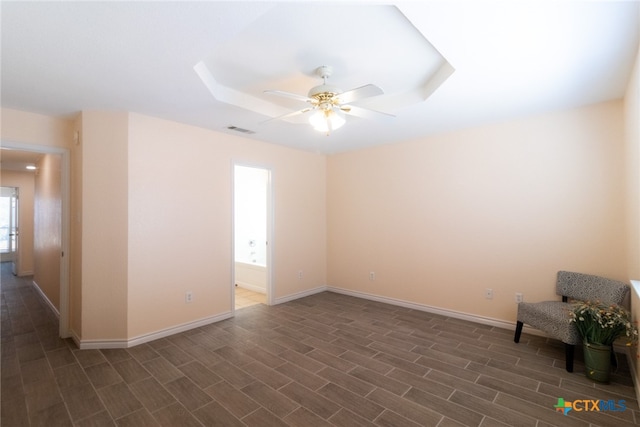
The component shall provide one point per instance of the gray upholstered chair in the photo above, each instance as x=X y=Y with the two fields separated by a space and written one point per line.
x=552 y=317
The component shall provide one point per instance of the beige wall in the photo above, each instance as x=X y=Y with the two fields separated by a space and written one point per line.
x=48 y=227
x=26 y=187
x=180 y=221
x=32 y=128
x=104 y=225
x=441 y=219
x=75 y=232
x=151 y=218
x=632 y=157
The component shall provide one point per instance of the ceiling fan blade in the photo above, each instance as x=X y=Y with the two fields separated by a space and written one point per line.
x=288 y=115
x=290 y=95
x=365 y=113
x=358 y=93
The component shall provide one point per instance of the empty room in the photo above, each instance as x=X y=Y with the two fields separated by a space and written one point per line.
x=316 y=213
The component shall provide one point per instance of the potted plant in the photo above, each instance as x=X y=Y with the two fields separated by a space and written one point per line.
x=600 y=325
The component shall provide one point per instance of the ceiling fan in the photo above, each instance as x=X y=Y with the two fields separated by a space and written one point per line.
x=329 y=104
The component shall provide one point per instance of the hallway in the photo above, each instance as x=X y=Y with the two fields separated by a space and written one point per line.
x=30 y=345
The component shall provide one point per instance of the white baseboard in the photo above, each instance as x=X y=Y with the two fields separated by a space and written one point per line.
x=74 y=336
x=46 y=299
x=504 y=324
x=427 y=308
x=101 y=344
x=299 y=295
x=126 y=343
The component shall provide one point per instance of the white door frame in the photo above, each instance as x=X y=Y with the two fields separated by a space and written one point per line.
x=65 y=181
x=270 y=233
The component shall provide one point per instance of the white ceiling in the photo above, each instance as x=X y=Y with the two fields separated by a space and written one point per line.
x=511 y=58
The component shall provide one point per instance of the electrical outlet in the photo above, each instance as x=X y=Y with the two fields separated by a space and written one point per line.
x=488 y=293
x=188 y=297
x=519 y=297
x=299 y=274
x=372 y=275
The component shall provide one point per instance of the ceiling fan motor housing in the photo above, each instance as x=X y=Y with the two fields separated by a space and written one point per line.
x=324 y=90
x=324 y=93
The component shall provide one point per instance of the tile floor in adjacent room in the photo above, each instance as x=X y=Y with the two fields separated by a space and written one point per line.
x=323 y=360
x=246 y=298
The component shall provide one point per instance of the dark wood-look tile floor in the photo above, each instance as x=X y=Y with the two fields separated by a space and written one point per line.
x=324 y=360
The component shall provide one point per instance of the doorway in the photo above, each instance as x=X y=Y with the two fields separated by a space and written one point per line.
x=9 y=227
x=252 y=230
x=64 y=227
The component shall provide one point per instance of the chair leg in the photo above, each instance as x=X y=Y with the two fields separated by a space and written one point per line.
x=569 y=350
x=519 y=326
x=614 y=358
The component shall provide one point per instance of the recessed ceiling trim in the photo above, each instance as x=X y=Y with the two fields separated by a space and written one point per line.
x=235 y=97
x=285 y=63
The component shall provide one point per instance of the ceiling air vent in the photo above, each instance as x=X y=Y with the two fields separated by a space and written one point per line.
x=237 y=129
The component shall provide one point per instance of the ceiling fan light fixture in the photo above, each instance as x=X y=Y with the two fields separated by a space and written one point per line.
x=327 y=105
x=327 y=120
